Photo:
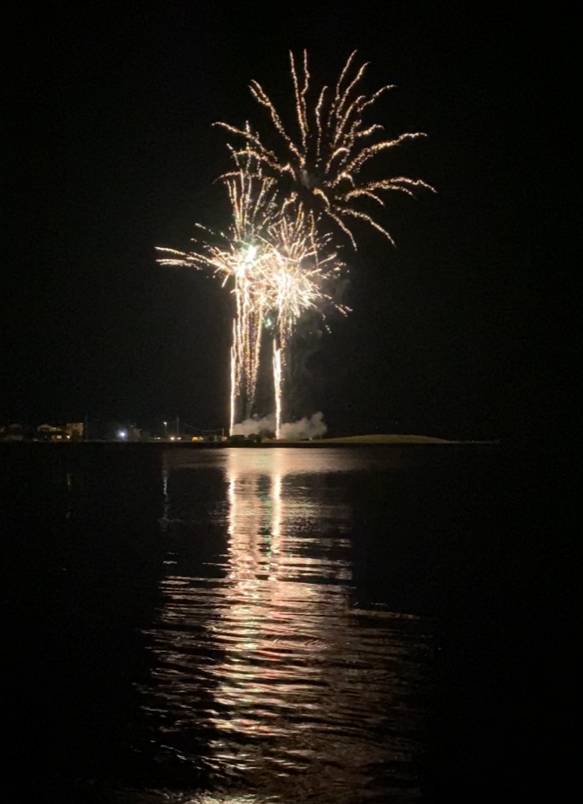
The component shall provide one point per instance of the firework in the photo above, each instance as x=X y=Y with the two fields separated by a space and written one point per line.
x=320 y=167
x=239 y=260
x=276 y=265
x=277 y=256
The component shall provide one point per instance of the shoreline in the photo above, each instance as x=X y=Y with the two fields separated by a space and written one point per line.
x=315 y=444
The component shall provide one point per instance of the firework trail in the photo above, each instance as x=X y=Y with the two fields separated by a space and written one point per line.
x=319 y=168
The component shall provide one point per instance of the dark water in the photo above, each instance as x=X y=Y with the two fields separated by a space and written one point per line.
x=254 y=625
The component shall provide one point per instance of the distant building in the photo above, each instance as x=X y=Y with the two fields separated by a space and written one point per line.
x=50 y=432
x=12 y=432
x=75 y=430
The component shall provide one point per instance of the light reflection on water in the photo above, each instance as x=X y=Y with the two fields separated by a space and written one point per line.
x=268 y=679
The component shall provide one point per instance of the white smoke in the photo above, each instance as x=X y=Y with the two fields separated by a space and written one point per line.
x=308 y=427
x=312 y=427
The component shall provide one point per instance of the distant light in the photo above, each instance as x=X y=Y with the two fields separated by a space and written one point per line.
x=165 y=424
x=122 y=434
x=172 y=438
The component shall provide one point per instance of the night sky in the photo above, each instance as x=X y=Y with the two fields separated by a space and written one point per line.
x=113 y=153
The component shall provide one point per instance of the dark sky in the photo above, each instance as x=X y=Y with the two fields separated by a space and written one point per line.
x=113 y=154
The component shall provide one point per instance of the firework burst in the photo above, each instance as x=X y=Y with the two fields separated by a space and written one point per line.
x=320 y=167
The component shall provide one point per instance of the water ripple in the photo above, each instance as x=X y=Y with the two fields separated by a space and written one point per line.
x=267 y=673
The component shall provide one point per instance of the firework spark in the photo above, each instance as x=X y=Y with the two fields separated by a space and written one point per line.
x=320 y=167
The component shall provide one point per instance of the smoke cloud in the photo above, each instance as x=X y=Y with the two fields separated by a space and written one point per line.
x=308 y=427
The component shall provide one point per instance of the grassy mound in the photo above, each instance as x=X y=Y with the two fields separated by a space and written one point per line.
x=386 y=438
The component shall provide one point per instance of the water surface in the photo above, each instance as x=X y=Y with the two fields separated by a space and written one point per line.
x=243 y=624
